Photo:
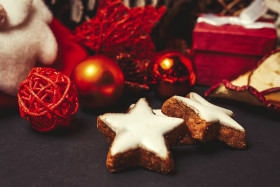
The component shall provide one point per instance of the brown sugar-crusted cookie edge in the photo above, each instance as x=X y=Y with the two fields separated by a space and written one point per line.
x=105 y=130
x=140 y=158
x=232 y=137
x=199 y=129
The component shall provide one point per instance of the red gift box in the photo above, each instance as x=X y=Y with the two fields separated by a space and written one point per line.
x=224 y=52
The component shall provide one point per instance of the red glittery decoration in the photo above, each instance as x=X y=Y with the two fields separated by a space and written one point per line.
x=117 y=28
x=47 y=99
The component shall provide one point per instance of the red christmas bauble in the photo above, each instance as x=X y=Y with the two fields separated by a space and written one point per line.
x=173 y=73
x=99 y=80
x=47 y=99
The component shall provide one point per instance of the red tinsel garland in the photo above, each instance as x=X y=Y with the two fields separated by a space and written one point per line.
x=47 y=99
x=117 y=28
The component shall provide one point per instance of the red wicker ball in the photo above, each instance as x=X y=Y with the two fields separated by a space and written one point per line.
x=47 y=99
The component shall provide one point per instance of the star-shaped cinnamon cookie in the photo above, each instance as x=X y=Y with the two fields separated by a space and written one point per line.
x=141 y=138
x=206 y=121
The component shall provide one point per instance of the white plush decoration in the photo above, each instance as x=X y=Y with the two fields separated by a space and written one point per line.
x=25 y=39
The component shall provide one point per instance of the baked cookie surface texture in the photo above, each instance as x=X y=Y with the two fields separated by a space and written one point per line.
x=206 y=121
x=140 y=138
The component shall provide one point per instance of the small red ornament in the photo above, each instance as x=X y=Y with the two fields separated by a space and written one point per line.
x=47 y=99
x=99 y=80
x=172 y=73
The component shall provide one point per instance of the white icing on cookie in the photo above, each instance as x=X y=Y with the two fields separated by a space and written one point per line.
x=158 y=112
x=209 y=112
x=199 y=99
x=140 y=127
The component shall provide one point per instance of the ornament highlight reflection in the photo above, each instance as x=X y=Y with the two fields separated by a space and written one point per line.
x=166 y=64
x=99 y=80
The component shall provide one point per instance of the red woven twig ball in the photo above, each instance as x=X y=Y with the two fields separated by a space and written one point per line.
x=47 y=99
